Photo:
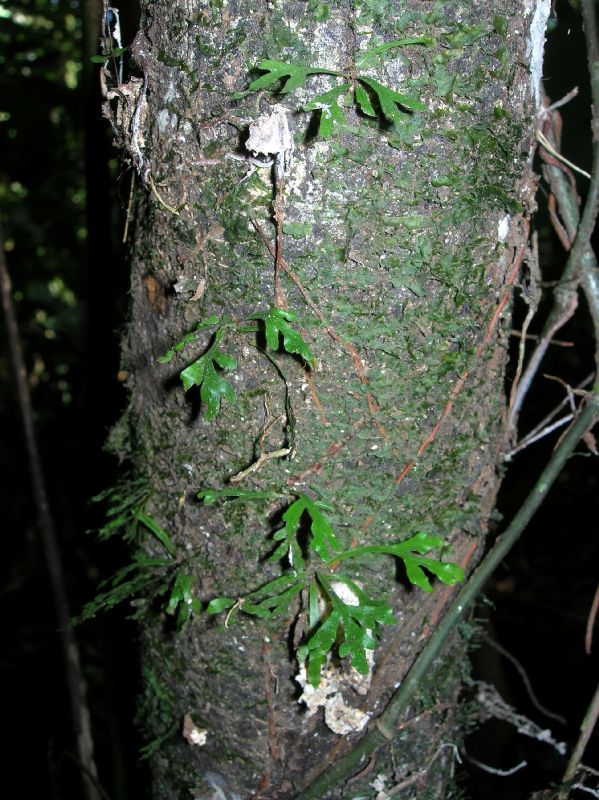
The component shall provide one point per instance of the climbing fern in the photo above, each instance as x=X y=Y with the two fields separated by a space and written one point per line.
x=371 y=98
x=340 y=615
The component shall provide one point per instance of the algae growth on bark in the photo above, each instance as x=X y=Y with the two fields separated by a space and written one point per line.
x=394 y=226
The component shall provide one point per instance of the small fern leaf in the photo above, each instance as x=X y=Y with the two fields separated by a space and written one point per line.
x=291 y=76
x=331 y=115
x=391 y=101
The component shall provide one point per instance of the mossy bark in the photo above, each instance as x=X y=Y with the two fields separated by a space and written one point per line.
x=403 y=238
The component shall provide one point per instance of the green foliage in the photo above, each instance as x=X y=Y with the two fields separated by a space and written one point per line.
x=205 y=372
x=341 y=616
x=44 y=221
x=156 y=744
x=276 y=324
x=125 y=501
x=213 y=387
x=290 y=76
x=189 y=338
x=322 y=541
x=350 y=625
x=156 y=530
x=388 y=104
x=273 y=599
x=420 y=544
x=116 y=53
x=145 y=576
x=125 y=514
x=209 y=496
x=389 y=100
x=219 y=604
x=370 y=57
x=331 y=114
x=150 y=577
x=181 y=601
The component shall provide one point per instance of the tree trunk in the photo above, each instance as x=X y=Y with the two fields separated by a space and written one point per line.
x=401 y=234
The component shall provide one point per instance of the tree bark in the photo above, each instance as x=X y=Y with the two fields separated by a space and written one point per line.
x=400 y=245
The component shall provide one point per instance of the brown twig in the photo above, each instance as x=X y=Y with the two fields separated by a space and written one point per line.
x=70 y=650
x=560 y=230
x=316 y=466
x=280 y=299
x=534 y=338
x=315 y=397
x=588 y=637
x=367 y=769
x=272 y=731
x=525 y=680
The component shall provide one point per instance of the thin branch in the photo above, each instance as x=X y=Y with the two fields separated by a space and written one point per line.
x=493 y=704
x=526 y=681
x=531 y=439
x=550 y=149
x=542 y=425
x=588 y=637
x=583 y=788
x=70 y=651
x=586 y=729
x=559 y=103
x=503 y=773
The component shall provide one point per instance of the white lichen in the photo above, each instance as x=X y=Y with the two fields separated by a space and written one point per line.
x=270 y=134
x=339 y=716
x=503 y=228
x=535 y=45
x=196 y=737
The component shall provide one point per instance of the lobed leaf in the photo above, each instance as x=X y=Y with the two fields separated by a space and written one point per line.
x=193 y=375
x=352 y=625
x=422 y=543
x=213 y=387
x=291 y=76
x=323 y=540
x=331 y=114
x=391 y=101
x=276 y=604
x=276 y=324
x=363 y=101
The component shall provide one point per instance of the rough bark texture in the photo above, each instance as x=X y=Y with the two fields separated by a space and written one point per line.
x=404 y=239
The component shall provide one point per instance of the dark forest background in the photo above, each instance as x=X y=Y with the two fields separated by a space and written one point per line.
x=63 y=197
